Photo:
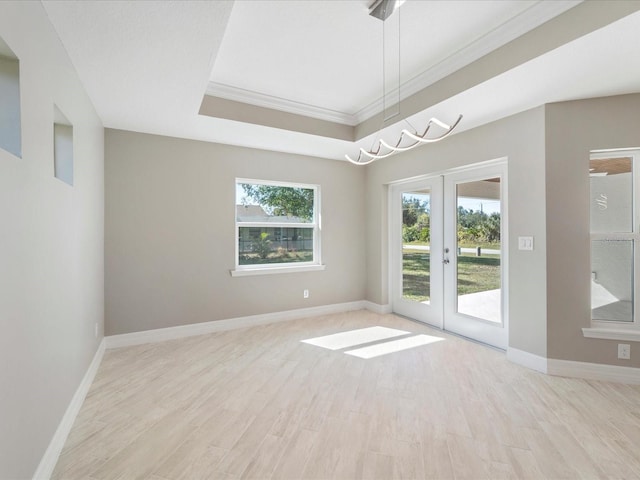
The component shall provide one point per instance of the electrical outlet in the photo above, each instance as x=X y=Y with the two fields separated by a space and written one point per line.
x=305 y=293
x=624 y=351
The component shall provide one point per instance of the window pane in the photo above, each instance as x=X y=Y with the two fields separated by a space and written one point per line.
x=416 y=245
x=274 y=203
x=612 y=280
x=611 y=195
x=479 y=226
x=265 y=245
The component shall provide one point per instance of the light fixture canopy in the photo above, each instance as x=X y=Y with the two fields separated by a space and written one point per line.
x=382 y=9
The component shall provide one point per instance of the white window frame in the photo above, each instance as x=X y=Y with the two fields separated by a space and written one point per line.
x=273 y=268
x=608 y=329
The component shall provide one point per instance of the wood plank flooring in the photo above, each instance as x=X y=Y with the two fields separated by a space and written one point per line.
x=257 y=403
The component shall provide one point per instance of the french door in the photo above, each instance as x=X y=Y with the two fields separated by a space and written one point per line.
x=448 y=252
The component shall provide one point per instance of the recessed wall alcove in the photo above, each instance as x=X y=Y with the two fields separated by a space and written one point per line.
x=62 y=147
x=10 y=117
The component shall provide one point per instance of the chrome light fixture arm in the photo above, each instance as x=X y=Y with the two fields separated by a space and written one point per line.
x=374 y=155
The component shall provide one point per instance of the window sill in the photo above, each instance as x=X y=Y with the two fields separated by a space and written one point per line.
x=273 y=270
x=612 y=334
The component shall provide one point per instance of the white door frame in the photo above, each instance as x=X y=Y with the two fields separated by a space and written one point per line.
x=478 y=170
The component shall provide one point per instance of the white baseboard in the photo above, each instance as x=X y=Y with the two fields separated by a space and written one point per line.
x=567 y=368
x=377 y=308
x=171 y=333
x=526 y=359
x=51 y=455
x=594 y=371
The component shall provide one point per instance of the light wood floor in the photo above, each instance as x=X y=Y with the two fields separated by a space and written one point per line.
x=258 y=403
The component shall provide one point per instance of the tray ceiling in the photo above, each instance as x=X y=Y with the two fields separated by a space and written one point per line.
x=305 y=76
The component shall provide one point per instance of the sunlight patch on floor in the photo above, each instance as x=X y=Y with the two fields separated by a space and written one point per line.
x=376 y=341
x=393 y=346
x=338 y=341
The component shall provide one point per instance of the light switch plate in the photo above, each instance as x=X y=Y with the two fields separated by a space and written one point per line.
x=525 y=243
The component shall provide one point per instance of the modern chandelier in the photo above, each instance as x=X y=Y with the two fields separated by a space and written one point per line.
x=382 y=9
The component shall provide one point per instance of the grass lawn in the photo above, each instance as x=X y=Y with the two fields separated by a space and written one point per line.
x=475 y=274
x=415 y=275
x=494 y=246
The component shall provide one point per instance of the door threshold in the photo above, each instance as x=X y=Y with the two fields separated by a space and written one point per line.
x=453 y=334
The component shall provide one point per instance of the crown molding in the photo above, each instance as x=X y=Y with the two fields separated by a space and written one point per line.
x=513 y=28
x=533 y=17
x=257 y=99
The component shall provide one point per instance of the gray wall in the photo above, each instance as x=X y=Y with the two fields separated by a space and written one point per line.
x=51 y=247
x=169 y=233
x=520 y=138
x=573 y=129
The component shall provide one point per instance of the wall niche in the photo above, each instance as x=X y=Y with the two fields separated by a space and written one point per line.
x=10 y=118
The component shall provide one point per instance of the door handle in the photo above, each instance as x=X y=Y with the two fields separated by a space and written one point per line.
x=445 y=259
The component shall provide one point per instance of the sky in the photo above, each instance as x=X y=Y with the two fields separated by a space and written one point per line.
x=239 y=194
x=485 y=205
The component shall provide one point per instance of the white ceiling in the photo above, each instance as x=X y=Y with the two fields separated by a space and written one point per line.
x=146 y=65
x=328 y=54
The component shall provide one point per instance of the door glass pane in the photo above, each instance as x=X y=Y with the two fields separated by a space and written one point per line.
x=478 y=249
x=612 y=280
x=611 y=195
x=416 y=245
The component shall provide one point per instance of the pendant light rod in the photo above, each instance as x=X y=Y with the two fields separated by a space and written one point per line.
x=382 y=10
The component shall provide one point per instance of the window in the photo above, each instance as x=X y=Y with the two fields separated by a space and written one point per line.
x=277 y=227
x=615 y=231
x=10 y=123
